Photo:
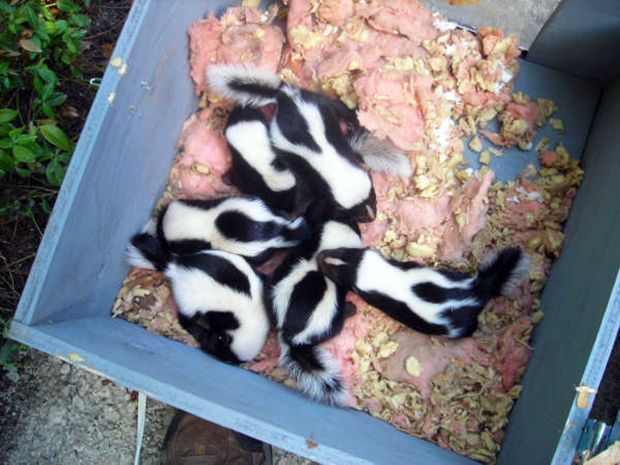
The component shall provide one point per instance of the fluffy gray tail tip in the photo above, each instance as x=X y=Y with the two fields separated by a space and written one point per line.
x=317 y=374
x=244 y=84
x=380 y=154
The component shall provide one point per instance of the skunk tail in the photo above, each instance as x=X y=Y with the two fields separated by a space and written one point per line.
x=146 y=251
x=244 y=84
x=317 y=374
x=380 y=154
x=501 y=272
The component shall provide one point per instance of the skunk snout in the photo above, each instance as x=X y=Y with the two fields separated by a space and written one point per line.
x=365 y=213
x=340 y=265
x=218 y=344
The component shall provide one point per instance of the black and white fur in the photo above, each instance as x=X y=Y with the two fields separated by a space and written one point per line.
x=431 y=301
x=256 y=169
x=305 y=130
x=242 y=225
x=220 y=298
x=309 y=309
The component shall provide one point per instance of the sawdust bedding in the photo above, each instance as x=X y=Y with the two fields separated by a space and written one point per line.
x=416 y=78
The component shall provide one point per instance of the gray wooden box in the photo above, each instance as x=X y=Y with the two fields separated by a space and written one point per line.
x=120 y=167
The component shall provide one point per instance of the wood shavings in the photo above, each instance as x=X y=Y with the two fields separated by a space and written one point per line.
x=413 y=366
x=557 y=124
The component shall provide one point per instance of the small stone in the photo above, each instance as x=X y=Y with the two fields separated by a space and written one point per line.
x=65 y=369
x=78 y=403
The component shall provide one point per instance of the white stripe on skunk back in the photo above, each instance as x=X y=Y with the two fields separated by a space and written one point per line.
x=189 y=221
x=251 y=140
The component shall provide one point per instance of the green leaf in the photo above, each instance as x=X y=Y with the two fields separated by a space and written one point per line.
x=61 y=25
x=6 y=115
x=6 y=143
x=50 y=27
x=23 y=172
x=70 y=43
x=25 y=139
x=23 y=155
x=47 y=90
x=56 y=99
x=46 y=207
x=38 y=84
x=33 y=19
x=48 y=111
x=55 y=173
x=56 y=136
x=6 y=161
x=47 y=74
x=5 y=128
x=81 y=20
x=14 y=133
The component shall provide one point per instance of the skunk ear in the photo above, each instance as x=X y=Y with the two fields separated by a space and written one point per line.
x=203 y=322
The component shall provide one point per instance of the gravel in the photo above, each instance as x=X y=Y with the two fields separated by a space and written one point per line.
x=58 y=414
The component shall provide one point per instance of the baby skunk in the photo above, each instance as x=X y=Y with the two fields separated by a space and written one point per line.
x=255 y=168
x=306 y=132
x=444 y=302
x=219 y=296
x=242 y=225
x=309 y=309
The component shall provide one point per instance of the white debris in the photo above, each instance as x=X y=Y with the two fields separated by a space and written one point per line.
x=507 y=76
x=451 y=96
x=442 y=133
x=444 y=25
x=533 y=195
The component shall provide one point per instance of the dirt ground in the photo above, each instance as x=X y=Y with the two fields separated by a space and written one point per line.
x=52 y=413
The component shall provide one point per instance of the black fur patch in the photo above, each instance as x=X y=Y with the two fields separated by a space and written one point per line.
x=245 y=177
x=404 y=265
x=210 y=331
x=305 y=297
x=218 y=268
x=249 y=181
x=245 y=113
x=253 y=88
x=293 y=125
x=436 y=294
x=343 y=275
x=402 y=313
x=465 y=319
x=492 y=277
x=188 y=246
x=235 y=225
x=453 y=275
x=204 y=204
x=152 y=249
x=305 y=356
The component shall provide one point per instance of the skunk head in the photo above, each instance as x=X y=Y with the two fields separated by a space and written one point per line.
x=341 y=265
x=366 y=211
x=219 y=344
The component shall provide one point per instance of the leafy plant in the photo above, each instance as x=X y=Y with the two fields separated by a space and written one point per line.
x=38 y=42
x=10 y=350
